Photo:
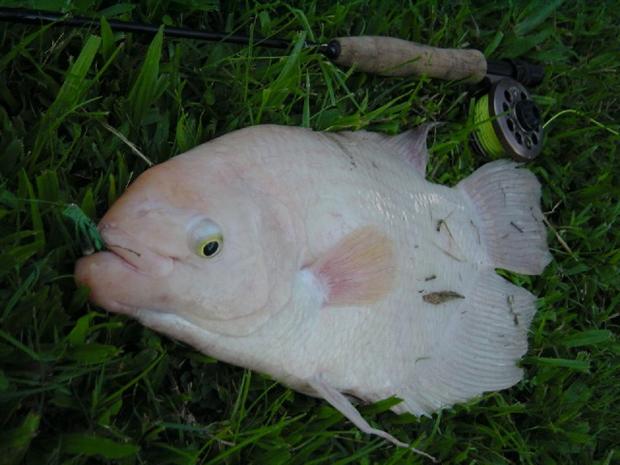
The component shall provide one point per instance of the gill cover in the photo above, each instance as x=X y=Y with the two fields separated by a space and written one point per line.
x=254 y=264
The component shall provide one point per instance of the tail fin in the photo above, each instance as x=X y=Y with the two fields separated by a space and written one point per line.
x=507 y=200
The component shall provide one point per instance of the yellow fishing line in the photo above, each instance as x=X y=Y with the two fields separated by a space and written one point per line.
x=485 y=134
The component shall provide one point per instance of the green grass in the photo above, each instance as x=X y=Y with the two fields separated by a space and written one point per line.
x=81 y=386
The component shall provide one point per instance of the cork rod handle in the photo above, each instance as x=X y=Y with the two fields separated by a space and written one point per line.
x=389 y=56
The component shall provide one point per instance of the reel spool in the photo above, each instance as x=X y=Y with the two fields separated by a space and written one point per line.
x=507 y=122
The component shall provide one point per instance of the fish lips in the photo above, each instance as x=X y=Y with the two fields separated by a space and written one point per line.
x=102 y=273
x=136 y=256
x=126 y=277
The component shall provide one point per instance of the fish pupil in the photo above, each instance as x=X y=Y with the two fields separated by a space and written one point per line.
x=210 y=248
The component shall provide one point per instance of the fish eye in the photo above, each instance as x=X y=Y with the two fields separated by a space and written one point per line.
x=206 y=239
x=210 y=247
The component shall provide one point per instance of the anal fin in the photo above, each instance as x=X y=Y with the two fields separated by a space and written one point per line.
x=478 y=349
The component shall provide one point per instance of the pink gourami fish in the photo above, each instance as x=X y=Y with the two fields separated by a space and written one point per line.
x=327 y=261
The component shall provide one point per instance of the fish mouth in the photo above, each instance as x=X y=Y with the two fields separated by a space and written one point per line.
x=123 y=261
x=114 y=283
x=137 y=257
x=127 y=276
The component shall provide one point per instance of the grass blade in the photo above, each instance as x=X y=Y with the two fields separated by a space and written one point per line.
x=571 y=364
x=69 y=96
x=92 y=445
x=539 y=13
x=588 y=338
x=148 y=85
x=14 y=443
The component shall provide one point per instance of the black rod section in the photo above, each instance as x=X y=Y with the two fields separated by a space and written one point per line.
x=528 y=74
x=19 y=15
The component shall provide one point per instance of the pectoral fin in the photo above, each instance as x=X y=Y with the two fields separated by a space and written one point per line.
x=358 y=270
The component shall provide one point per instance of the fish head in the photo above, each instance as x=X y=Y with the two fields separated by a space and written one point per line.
x=195 y=238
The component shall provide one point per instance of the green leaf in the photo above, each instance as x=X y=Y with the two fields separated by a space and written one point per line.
x=186 y=133
x=517 y=46
x=85 y=228
x=265 y=23
x=282 y=87
x=148 y=85
x=577 y=365
x=10 y=55
x=19 y=345
x=48 y=187
x=107 y=39
x=488 y=51
x=540 y=12
x=92 y=353
x=80 y=330
x=27 y=192
x=106 y=416
x=88 y=204
x=382 y=405
x=90 y=445
x=112 y=192
x=69 y=96
x=24 y=287
x=117 y=9
x=305 y=119
x=587 y=338
x=14 y=443
x=4 y=381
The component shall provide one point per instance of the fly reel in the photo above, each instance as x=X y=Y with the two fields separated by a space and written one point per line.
x=507 y=122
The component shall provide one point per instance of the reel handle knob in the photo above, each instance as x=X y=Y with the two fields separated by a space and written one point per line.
x=388 y=56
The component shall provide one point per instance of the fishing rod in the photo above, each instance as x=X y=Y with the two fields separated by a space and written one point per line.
x=506 y=119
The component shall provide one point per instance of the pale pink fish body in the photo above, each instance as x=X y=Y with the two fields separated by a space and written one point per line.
x=340 y=268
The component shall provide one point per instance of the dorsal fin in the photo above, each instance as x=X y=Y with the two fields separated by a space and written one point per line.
x=411 y=146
